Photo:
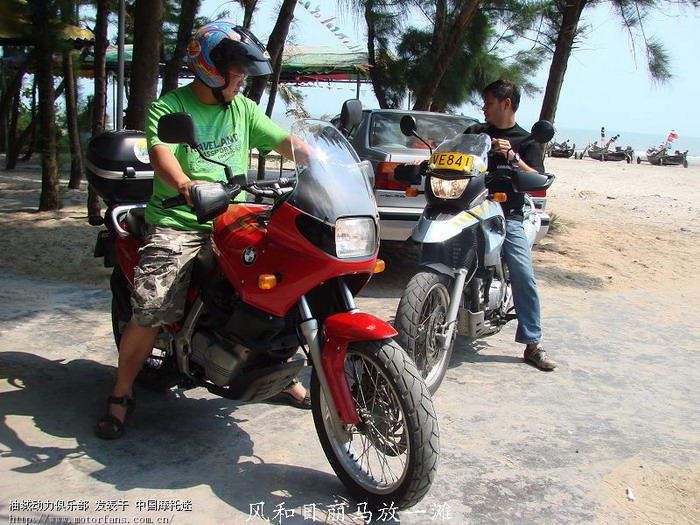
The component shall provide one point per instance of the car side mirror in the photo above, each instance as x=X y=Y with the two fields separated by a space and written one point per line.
x=542 y=131
x=177 y=128
x=408 y=126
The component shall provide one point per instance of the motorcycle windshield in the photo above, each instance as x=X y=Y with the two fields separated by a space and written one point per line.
x=331 y=182
x=475 y=145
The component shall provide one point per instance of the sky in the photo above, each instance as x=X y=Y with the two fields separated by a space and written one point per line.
x=606 y=83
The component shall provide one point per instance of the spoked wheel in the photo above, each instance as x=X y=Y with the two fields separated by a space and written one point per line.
x=159 y=372
x=390 y=457
x=420 y=321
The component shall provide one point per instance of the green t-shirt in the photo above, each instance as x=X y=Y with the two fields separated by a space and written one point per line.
x=224 y=135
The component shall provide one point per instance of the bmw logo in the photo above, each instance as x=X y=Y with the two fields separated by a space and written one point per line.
x=249 y=255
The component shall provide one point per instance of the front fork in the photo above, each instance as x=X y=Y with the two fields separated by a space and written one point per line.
x=445 y=338
x=328 y=350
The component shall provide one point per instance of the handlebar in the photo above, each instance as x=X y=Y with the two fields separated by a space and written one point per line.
x=263 y=188
x=178 y=200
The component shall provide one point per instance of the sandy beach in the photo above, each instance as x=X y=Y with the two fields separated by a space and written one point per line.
x=621 y=234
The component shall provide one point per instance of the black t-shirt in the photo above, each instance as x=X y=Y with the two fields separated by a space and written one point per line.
x=524 y=145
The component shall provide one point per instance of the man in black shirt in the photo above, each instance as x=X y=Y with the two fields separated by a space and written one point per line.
x=512 y=144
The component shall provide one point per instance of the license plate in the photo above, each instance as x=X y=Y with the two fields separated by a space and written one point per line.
x=446 y=160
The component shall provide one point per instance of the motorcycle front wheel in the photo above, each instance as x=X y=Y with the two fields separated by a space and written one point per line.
x=390 y=457
x=420 y=321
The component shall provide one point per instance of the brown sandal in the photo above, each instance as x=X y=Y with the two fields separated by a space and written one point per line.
x=109 y=426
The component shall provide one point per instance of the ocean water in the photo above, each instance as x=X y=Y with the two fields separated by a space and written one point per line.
x=639 y=141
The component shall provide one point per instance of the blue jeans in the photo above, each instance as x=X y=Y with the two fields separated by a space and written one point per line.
x=516 y=249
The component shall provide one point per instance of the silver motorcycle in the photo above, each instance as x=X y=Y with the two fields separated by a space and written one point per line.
x=462 y=285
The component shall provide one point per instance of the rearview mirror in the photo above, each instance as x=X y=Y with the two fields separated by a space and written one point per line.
x=542 y=131
x=177 y=128
x=408 y=125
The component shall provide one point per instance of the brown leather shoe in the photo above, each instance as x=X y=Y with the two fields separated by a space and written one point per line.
x=539 y=358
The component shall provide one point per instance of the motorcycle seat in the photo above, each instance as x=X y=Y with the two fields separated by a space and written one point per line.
x=204 y=263
x=135 y=223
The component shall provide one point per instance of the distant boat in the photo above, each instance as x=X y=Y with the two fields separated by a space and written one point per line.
x=561 y=149
x=605 y=153
x=661 y=156
x=615 y=155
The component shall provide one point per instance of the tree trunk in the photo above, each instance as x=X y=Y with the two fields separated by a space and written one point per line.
x=99 y=101
x=12 y=91
x=277 y=68
x=377 y=69
x=171 y=72
x=248 y=11
x=28 y=136
x=442 y=51
x=275 y=46
x=562 y=51
x=12 y=152
x=41 y=12
x=68 y=10
x=32 y=128
x=71 y=97
x=143 y=80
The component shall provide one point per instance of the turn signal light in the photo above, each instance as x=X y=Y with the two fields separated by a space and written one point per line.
x=267 y=281
x=411 y=192
x=379 y=266
x=499 y=197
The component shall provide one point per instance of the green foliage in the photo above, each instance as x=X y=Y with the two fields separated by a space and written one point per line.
x=556 y=226
x=659 y=61
x=482 y=56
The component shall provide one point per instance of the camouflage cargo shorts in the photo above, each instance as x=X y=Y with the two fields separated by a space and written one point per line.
x=163 y=275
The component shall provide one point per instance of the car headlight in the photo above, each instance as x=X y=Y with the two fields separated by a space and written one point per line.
x=448 y=188
x=355 y=237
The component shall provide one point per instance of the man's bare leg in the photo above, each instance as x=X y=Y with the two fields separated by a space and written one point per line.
x=136 y=345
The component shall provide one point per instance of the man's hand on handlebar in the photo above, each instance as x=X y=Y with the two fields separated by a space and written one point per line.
x=185 y=187
x=502 y=147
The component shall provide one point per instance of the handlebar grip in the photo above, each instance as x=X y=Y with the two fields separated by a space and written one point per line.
x=179 y=200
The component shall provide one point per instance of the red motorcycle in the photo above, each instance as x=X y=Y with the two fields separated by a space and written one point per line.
x=283 y=275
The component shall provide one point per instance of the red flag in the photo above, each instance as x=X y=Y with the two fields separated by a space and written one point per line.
x=672 y=136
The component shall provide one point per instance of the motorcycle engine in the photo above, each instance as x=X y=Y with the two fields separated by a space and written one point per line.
x=221 y=360
x=495 y=294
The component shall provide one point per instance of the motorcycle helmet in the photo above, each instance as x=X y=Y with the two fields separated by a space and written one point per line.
x=216 y=46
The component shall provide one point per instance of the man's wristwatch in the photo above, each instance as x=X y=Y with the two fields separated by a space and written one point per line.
x=516 y=157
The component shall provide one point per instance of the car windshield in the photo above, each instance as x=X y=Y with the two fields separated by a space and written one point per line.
x=385 y=130
x=333 y=184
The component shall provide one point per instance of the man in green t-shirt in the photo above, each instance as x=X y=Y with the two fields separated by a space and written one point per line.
x=221 y=56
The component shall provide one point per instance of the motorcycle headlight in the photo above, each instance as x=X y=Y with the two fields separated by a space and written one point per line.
x=355 y=237
x=448 y=188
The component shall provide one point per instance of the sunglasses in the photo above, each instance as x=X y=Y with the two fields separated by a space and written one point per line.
x=241 y=76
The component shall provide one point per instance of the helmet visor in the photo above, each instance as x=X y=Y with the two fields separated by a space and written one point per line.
x=248 y=54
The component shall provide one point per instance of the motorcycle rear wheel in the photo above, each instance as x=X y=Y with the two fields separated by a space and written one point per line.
x=390 y=457
x=159 y=372
x=420 y=320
